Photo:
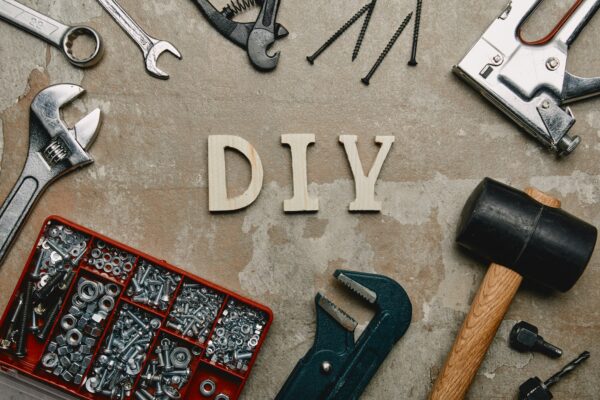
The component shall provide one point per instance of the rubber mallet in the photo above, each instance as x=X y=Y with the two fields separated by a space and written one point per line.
x=524 y=235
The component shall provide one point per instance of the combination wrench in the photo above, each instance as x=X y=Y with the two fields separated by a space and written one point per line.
x=151 y=48
x=54 y=150
x=57 y=34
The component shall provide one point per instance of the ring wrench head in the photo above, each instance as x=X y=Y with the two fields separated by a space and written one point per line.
x=67 y=46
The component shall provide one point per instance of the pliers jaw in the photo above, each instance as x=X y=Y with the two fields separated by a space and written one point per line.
x=255 y=37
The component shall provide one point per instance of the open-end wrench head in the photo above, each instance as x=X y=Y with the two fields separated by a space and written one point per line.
x=153 y=55
x=258 y=44
x=47 y=104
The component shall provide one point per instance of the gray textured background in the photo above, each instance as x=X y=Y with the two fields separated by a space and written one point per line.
x=148 y=187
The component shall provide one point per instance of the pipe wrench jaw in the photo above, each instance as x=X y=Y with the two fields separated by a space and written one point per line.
x=337 y=367
x=529 y=81
x=60 y=147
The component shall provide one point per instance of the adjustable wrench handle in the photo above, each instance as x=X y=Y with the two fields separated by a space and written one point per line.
x=16 y=208
x=33 y=22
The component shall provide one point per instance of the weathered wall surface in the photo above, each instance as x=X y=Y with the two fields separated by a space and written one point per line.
x=148 y=187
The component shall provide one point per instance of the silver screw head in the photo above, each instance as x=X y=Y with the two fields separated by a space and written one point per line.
x=552 y=63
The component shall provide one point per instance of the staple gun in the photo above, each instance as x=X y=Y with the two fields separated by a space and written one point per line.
x=528 y=81
x=337 y=367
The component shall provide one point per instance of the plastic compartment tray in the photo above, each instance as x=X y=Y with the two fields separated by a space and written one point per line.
x=206 y=363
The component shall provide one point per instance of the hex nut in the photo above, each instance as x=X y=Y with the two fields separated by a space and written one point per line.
x=58 y=370
x=74 y=337
x=68 y=322
x=76 y=312
x=50 y=360
x=63 y=350
x=88 y=341
x=221 y=396
x=65 y=362
x=52 y=346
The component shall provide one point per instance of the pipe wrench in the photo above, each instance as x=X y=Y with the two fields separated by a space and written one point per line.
x=255 y=37
x=337 y=367
x=528 y=81
x=54 y=150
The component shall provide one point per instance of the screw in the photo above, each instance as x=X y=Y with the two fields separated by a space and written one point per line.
x=552 y=63
x=27 y=306
x=344 y=28
x=413 y=57
x=524 y=337
x=50 y=286
x=366 y=80
x=35 y=274
x=363 y=30
x=5 y=343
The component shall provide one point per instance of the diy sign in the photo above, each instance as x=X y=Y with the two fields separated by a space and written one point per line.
x=219 y=201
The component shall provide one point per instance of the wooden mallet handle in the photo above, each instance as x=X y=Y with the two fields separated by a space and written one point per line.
x=481 y=324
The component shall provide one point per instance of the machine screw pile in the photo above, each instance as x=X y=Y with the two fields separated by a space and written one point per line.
x=344 y=28
x=366 y=80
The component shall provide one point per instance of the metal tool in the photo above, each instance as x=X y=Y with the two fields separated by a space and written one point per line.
x=337 y=367
x=528 y=81
x=151 y=48
x=54 y=150
x=535 y=389
x=363 y=30
x=524 y=337
x=367 y=79
x=524 y=235
x=57 y=34
x=256 y=37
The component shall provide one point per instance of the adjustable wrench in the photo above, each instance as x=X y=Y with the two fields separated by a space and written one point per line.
x=54 y=150
x=57 y=34
x=151 y=48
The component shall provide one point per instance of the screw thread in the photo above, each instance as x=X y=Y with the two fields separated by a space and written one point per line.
x=387 y=49
x=567 y=369
x=547 y=348
x=363 y=30
x=20 y=350
x=339 y=32
x=413 y=57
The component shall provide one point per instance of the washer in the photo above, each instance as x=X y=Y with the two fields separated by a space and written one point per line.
x=207 y=387
x=180 y=357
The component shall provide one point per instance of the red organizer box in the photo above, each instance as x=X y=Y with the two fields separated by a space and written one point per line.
x=227 y=376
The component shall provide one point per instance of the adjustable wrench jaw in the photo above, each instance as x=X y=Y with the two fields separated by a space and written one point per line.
x=528 y=81
x=55 y=149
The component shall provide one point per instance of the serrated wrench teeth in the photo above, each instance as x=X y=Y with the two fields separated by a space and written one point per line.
x=151 y=48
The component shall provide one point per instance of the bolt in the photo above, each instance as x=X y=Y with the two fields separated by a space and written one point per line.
x=33 y=325
x=344 y=28
x=137 y=320
x=366 y=80
x=35 y=274
x=5 y=343
x=363 y=30
x=58 y=249
x=53 y=282
x=524 y=337
x=50 y=319
x=136 y=286
x=21 y=351
x=413 y=57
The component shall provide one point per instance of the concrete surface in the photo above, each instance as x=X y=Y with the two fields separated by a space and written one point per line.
x=148 y=187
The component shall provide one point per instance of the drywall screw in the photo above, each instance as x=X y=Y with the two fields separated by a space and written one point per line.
x=27 y=306
x=413 y=58
x=35 y=274
x=363 y=30
x=366 y=80
x=52 y=315
x=344 y=28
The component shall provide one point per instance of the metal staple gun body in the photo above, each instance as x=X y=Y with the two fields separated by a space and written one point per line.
x=256 y=37
x=337 y=367
x=54 y=150
x=528 y=81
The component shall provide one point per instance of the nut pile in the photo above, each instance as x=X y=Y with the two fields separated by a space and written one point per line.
x=111 y=260
x=168 y=372
x=70 y=353
x=195 y=311
x=236 y=336
x=153 y=286
x=124 y=351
